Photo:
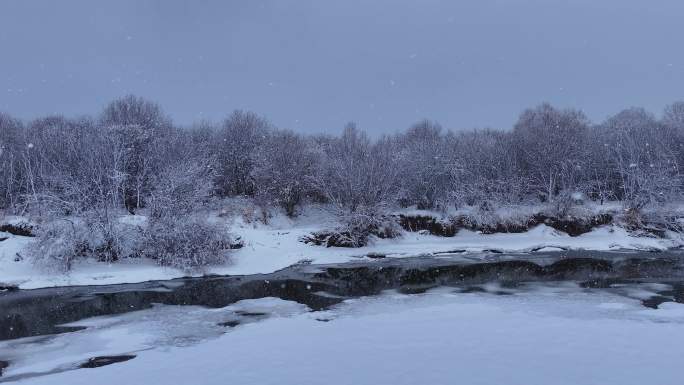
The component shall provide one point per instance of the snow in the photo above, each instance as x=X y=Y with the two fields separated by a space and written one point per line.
x=577 y=196
x=277 y=245
x=160 y=327
x=550 y=334
x=269 y=250
x=24 y=274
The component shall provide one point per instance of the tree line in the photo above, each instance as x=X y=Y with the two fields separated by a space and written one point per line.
x=133 y=158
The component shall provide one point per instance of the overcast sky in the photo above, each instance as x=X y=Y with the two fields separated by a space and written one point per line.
x=314 y=65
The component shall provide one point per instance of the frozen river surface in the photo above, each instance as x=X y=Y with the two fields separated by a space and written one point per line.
x=527 y=332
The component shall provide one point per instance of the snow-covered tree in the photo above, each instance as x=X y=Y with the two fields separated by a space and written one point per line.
x=11 y=143
x=644 y=163
x=484 y=168
x=673 y=121
x=549 y=147
x=240 y=136
x=135 y=111
x=284 y=169
x=423 y=164
x=181 y=187
x=79 y=176
x=357 y=174
x=140 y=130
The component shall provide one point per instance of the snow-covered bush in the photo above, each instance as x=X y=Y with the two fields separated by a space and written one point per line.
x=653 y=219
x=58 y=244
x=358 y=226
x=186 y=243
x=491 y=217
x=356 y=229
x=562 y=205
x=175 y=234
x=62 y=242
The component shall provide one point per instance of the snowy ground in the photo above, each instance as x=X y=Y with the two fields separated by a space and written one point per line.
x=275 y=246
x=543 y=334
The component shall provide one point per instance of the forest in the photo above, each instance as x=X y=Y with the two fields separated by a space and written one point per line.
x=76 y=177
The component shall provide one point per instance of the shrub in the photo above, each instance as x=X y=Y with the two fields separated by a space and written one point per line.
x=188 y=244
x=59 y=243
x=356 y=230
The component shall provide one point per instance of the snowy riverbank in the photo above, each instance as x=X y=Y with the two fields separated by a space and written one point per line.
x=271 y=247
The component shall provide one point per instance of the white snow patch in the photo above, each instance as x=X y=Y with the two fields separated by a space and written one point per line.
x=435 y=338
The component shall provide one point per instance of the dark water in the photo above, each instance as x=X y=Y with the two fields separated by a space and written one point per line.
x=37 y=312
